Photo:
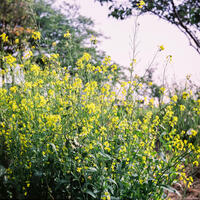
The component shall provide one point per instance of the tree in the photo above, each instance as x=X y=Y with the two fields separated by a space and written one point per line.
x=63 y=31
x=184 y=14
x=66 y=32
x=14 y=13
x=54 y=24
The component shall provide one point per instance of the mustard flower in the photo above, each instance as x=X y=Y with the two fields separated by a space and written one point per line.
x=35 y=69
x=86 y=57
x=174 y=98
x=107 y=60
x=93 y=39
x=141 y=4
x=36 y=35
x=191 y=132
x=150 y=83
x=9 y=59
x=185 y=95
x=79 y=169
x=196 y=163
x=106 y=196
x=4 y=37
x=182 y=107
x=13 y=89
x=114 y=67
x=169 y=58
x=17 y=41
x=67 y=34
x=161 y=47
x=162 y=89
x=133 y=62
x=54 y=44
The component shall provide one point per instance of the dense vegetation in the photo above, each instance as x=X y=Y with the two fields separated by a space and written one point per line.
x=81 y=132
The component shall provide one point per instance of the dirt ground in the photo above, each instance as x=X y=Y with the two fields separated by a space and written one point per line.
x=192 y=193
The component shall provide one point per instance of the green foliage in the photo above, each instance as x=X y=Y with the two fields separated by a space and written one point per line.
x=71 y=134
x=75 y=137
x=15 y=13
x=53 y=25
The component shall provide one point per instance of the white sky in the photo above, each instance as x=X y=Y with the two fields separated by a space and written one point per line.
x=152 y=33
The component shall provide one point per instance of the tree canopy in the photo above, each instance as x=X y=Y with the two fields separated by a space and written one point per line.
x=46 y=30
x=65 y=32
x=20 y=18
x=184 y=14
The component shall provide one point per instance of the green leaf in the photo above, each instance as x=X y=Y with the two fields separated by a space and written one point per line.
x=112 y=181
x=171 y=189
x=53 y=147
x=92 y=169
x=2 y=170
x=105 y=155
x=115 y=198
x=91 y=194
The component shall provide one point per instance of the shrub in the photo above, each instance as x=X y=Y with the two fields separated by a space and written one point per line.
x=76 y=137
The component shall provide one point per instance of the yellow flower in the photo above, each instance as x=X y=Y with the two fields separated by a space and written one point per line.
x=79 y=169
x=93 y=39
x=86 y=56
x=185 y=95
x=9 y=59
x=162 y=89
x=107 y=60
x=150 y=83
x=141 y=181
x=4 y=37
x=140 y=4
x=194 y=133
x=169 y=58
x=54 y=44
x=161 y=47
x=106 y=196
x=13 y=89
x=174 y=98
x=17 y=41
x=36 y=35
x=182 y=107
x=35 y=69
x=67 y=34
x=114 y=67
x=196 y=163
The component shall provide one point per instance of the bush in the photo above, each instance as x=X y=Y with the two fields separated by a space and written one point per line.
x=76 y=137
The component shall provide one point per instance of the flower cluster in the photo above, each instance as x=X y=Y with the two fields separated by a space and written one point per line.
x=140 y=4
x=67 y=136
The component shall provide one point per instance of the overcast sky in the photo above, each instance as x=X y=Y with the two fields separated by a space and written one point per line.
x=152 y=33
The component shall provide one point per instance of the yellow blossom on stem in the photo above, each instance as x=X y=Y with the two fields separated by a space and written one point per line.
x=4 y=37
x=93 y=39
x=36 y=35
x=54 y=44
x=185 y=95
x=182 y=107
x=161 y=47
x=169 y=58
x=79 y=169
x=141 y=4
x=196 y=163
x=9 y=59
x=67 y=34
x=17 y=41
x=174 y=98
